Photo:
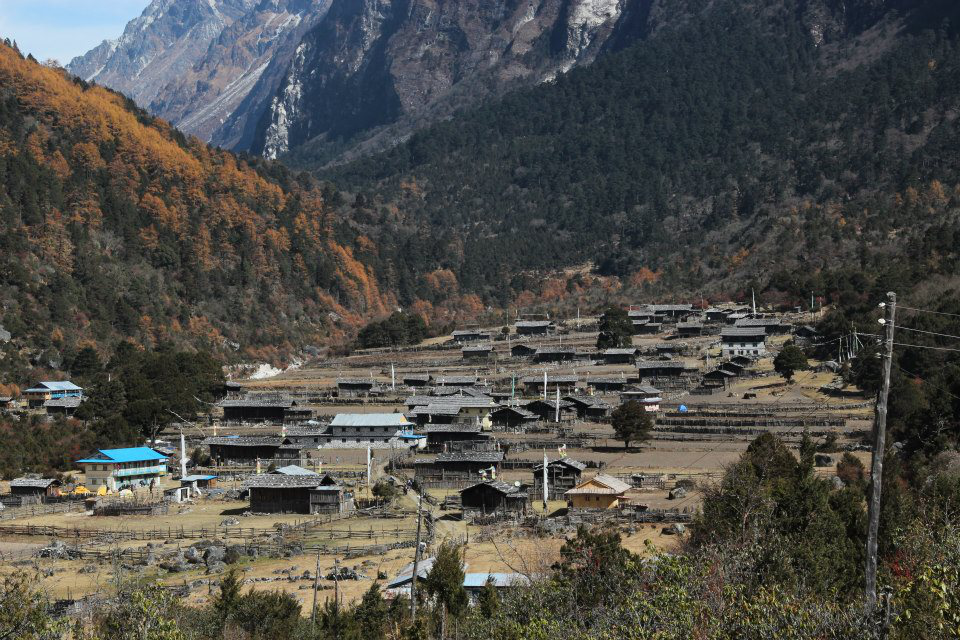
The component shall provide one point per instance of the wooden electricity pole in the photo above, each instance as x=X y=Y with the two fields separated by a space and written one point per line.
x=316 y=587
x=876 y=471
x=416 y=562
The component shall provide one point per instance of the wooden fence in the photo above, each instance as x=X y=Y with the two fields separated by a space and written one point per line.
x=13 y=513
x=169 y=533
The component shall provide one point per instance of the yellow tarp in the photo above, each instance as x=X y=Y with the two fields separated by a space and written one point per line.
x=80 y=490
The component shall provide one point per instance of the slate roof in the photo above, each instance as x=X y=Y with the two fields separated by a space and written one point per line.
x=255 y=401
x=70 y=402
x=365 y=382
x=499 y=486
x=450 y=428
x=532 y=324
x=244 y=441
x=456 y=380
x=620 y=352
x=589 y=401
x=661 y=364
x=470 y=456
x=554 y=379
x=570 y=462
x=280 y=481
x=523 y=413
x=742 y=332
x=477 y=348
x=419 y=377
x=397 y=420
x=37 y=483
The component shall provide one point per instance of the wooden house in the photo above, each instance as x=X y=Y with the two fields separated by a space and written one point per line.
x=599 y=492
x=494 y=497
x=608 y=384
x=33 y=489
x=522 y=351
x=459 y=465
x=590 y=407
x=264 y=408
x=62 y=406
x=477 y=352
x=546 y=410
x=512 y=417
x=242 y=449
x=554 y=354
x=716 y=315
x=562 y=475
x=298 y=493
x=471 y=335
x=439 y=435
x=646 y=328
x=689 y=329
x=355 y=387
x=534 y=327
x=533 y=385
x=619 y=355
x=718 y=378
x=457 y=382
x=417 y=380
x=660 y=368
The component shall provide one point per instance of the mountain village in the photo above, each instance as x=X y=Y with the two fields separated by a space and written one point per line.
x=349 y=470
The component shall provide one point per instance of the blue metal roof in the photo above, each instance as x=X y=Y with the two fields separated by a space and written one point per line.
x=130 y=454
x=194 y=478
x=60 y=385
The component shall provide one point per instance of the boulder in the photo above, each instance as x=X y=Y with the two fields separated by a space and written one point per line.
x=676 y=493
x=216 y=567
x=194 y=555
x=214 y=554
x=675 y=529
x=837 y=483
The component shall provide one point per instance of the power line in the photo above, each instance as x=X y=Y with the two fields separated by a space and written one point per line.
x=926 y=382
x=930 y=333
x=922 y=346
x=939 y=313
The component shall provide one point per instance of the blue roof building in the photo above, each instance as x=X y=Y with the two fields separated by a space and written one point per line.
x=124 y=468
x=52 y=390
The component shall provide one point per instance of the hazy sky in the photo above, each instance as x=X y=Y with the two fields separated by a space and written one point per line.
x=63 y=29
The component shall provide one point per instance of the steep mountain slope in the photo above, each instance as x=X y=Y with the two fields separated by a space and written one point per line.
x=114 y=225
x=373 y=63
x=163 y=43
x=345 y=77
x=195 y=62
x=754 y=138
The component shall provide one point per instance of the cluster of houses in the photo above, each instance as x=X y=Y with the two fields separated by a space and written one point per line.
x=564 y=480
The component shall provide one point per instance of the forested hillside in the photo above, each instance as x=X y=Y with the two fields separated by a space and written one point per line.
x=114 y=225
x=753 y=139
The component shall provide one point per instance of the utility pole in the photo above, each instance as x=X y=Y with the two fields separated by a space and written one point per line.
x=316 y=587
x=416 y=562
x=876 y=472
